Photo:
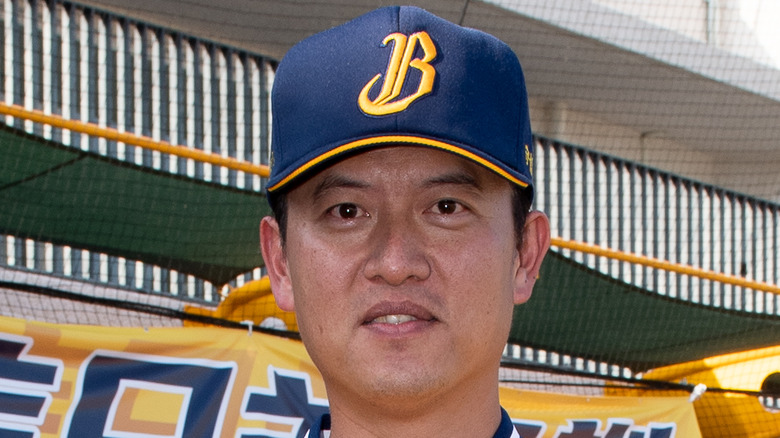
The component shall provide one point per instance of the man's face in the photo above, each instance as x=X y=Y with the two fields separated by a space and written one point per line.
x=402 y=267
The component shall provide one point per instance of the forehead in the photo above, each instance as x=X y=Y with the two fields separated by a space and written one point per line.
x=411 y=166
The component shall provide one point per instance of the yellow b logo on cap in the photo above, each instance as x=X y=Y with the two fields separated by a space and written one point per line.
x=400 y=61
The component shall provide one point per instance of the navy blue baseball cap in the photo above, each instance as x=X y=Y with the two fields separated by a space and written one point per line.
x=400 y=76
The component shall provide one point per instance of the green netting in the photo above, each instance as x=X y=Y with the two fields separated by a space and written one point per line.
x=66 y=196
x=578 y=311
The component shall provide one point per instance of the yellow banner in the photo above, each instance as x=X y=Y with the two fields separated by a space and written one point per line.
x=547 y=415
x=88 y=381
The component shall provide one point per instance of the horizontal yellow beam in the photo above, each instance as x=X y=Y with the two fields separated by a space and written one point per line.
x=664 y=265
x=133 y=139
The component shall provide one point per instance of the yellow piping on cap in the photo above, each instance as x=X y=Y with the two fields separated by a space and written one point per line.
x=397 y=139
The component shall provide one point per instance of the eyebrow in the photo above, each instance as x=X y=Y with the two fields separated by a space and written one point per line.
x=455 y=178
x=332 y=182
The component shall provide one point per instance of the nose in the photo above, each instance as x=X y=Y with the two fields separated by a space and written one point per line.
x=398 y=254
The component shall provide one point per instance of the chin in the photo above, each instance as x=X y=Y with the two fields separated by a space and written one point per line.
x=404 y=381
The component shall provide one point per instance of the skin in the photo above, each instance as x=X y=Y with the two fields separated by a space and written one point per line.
x=406 y=231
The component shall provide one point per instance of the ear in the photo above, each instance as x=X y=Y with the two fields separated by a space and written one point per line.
x=536 y=242
x=276 y=263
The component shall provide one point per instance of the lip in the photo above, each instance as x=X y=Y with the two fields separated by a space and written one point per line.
x=423 y=318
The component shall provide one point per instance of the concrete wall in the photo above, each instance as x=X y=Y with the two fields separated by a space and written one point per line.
x=746 y=28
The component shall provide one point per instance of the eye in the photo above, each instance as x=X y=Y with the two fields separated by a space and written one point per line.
x=346 y=211
x=447 y=206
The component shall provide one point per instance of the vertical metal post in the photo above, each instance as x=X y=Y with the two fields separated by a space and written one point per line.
x=700 y=230
x=621 y=221
x=165 y=281
x=598 y=203
x=249 y=105
x=668 y=183
x=36 y=32
x=232 y=116
x=216 y=108
x=775 y=249
x=578 y=185
x=632 y=218
x=608 y=198
x=147 y=94
x=129 y=85
x=74 y=49
x=111 y=81
x=182 y=105
x=93 y=93
x=93 y=111
x=722 y=238
x=655 y=211
x=163 y=76
x=18 y=56
x=198 y=110
x=147 y=123
x=3 y=55
x=678 y=223
x=572 y=210
x=55 y=76
x=545 y=146
x=768 y=248
x=559 y=171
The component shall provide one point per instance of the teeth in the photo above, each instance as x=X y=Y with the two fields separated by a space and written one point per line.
x=394 y=319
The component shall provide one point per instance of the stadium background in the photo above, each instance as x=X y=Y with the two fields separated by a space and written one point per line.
x=657 y=150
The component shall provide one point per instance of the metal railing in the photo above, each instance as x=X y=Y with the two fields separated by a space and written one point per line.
x=89 y=65
x=614 y=203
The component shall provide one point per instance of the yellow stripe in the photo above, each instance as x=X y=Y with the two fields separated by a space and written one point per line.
x=663 y=265
x=133 y=139
x=395 y=139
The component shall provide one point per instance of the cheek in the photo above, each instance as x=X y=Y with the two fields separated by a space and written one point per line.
x=482 y=270
x=320 y=275
x=485 y=255
x=310 y=256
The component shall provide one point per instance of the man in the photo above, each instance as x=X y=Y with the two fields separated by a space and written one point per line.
x=402 y=237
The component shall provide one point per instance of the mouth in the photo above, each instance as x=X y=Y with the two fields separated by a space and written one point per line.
x=396 y=314
x=393 y=319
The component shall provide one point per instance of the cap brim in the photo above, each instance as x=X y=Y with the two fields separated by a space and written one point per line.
x=383 y=140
